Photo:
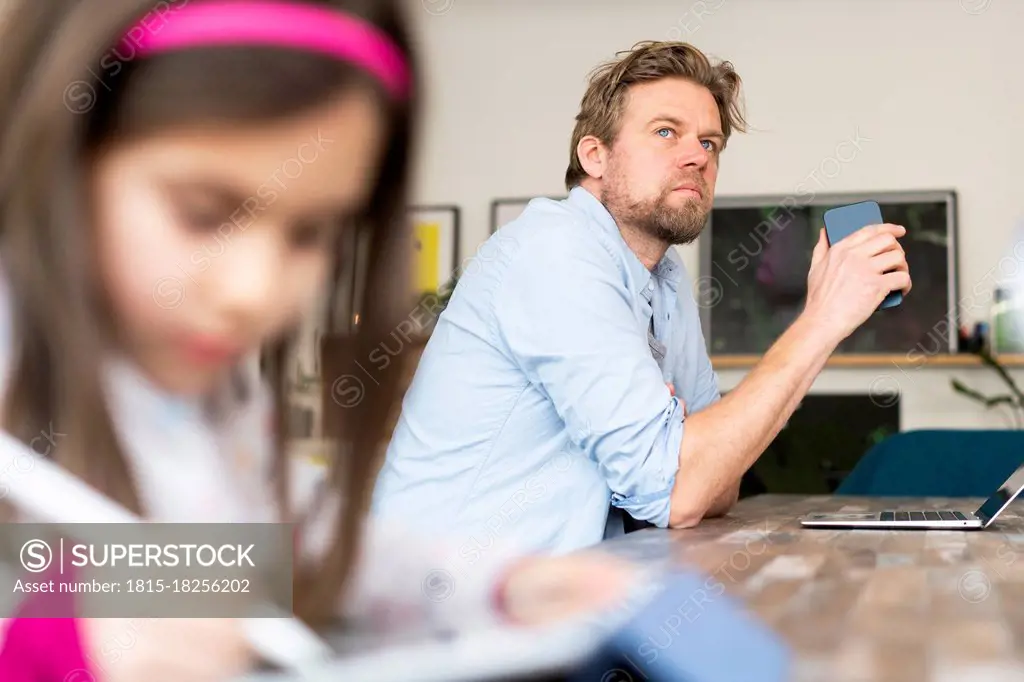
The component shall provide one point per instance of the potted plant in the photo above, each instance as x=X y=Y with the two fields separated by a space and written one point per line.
x=1012 y=399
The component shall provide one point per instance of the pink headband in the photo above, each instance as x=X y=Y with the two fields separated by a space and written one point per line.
x=281 y=24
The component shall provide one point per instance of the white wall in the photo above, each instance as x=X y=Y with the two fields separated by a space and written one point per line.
x=933 y=87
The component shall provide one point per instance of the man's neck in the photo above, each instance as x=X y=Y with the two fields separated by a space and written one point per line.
x=649 y=250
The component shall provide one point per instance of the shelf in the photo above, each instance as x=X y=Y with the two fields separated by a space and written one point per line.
x=906 y=360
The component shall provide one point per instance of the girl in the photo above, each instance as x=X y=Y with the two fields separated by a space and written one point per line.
x=179 y=181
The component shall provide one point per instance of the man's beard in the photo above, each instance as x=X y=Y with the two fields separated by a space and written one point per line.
x=654 y=217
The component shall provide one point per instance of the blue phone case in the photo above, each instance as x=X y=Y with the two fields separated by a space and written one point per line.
x=842 y=221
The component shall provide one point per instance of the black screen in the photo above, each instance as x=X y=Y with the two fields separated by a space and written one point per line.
x=760 y=257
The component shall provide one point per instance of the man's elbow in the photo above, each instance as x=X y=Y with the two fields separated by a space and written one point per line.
x=725 y=503
x=686 y=515
x=688 y=504
x=687 y=512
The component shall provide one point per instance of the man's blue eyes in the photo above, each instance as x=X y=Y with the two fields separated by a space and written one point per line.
x=708 y=144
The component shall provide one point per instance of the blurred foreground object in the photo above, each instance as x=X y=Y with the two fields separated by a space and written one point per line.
x=691 y=631
x=678 y=627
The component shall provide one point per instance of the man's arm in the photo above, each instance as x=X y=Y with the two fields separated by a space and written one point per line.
x=730 y=496
x=846 y=285
x=724 y=502
x=724 y=440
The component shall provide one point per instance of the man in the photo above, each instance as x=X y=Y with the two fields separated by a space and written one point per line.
x=569 y=369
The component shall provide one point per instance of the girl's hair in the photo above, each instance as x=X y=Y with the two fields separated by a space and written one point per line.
x=66 y=91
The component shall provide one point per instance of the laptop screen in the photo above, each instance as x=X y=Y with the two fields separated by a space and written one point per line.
x=1002 y=497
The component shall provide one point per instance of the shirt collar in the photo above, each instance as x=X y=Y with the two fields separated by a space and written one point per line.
x=668 y=269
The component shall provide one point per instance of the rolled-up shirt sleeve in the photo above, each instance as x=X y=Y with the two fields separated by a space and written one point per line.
x=568 y=319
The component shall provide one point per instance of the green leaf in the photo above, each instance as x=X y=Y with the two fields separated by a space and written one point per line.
x=985 y=400
x=992 y=362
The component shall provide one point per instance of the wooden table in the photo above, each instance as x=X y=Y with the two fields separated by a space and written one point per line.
x=864 y=605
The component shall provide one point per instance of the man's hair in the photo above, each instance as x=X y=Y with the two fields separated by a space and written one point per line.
x=605 y=100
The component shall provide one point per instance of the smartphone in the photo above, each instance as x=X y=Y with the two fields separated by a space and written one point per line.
x=842 y=221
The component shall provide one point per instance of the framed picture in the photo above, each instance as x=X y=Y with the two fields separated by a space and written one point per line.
x=504 y=211
x=436 y=231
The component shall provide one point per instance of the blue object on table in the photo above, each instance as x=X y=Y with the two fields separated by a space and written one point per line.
x=938 y=463
x=691 y=631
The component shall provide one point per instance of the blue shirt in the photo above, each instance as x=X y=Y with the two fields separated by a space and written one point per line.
x=538 y=400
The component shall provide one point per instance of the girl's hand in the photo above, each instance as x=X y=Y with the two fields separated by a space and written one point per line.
x=165 y=649
x=539 y=590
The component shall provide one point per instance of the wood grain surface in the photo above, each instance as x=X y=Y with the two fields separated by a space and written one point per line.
x=864 y=605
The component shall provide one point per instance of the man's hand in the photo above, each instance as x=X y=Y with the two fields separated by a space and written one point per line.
x=850 y=279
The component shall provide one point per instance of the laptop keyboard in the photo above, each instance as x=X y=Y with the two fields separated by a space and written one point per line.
x=923 y=516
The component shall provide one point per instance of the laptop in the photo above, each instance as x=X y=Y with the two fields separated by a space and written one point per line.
x=931 y=519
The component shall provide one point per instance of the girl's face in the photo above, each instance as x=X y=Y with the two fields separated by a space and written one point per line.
x=213 y=240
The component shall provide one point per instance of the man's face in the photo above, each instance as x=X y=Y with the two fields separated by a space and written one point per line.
x=661 y=171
